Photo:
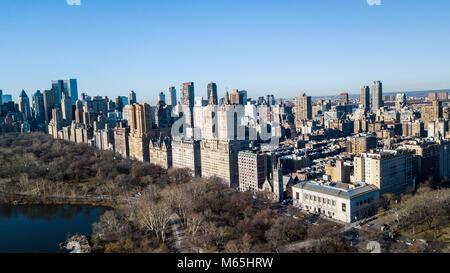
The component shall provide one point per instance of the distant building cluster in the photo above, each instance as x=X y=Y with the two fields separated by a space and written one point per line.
x=333 y=157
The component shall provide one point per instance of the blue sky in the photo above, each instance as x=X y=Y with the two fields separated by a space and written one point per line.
x=284 y=47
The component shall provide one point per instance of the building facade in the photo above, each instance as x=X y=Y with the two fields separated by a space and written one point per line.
x=389 y=171
x=220 y=158
x=303 y=108
x=186 y=154
x=337 y=201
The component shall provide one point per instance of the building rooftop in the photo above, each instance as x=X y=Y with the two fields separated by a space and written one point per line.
x=342 y=190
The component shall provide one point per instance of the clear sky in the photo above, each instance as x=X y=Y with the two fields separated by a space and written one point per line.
x=284 y=47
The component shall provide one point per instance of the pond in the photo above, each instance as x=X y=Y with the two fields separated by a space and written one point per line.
x=40 y=228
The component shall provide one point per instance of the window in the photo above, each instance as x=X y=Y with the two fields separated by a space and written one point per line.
x=344 y=207
x=297 y=196
x=319 y=199
x=329 y=201
x=334 y=203
x=315 y=198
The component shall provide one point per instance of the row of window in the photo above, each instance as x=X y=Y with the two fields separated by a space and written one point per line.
x=365 y=201
x=318 y=210
x=319 y=199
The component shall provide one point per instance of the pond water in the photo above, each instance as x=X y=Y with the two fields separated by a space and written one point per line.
x=40 y=228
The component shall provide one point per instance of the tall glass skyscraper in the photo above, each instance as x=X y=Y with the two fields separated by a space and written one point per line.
x=58 y=89
x=73 y=87
x=161 y=98
x=172 y=96
x=38 y=106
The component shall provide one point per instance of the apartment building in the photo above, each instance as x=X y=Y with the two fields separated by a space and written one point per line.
x=390 y=171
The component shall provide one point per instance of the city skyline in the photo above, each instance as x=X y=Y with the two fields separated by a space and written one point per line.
x=115 y=47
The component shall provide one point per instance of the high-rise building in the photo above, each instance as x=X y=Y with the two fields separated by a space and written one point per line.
x=303 y=108
x=432 y=96
x=119 y=104
x=252 y=170
x=49 y=104
x=188 y=94
x=227 y=123
x=186 y=154
x=220 y=158
x=389 y=171
x=243 y=97
x=66 y=108
x=140 y=128
x=261 y=100
x=1 y=97
x=24 y=105
x=212 y=94
x=362 y=144
x=161 y=98
x=121 y=140
x=377 y=95
x=343 y=98
x=172 y=96
x=443 y=96
x=58 y=89
x=132 y=97
x=79 y=111
x=7 y=98
x=235 y=97
x=55 y=124
x=431 y=113
x=270 y=100
x=38 y=107
x=73 y=90
x=161 y=153
x=226 y=99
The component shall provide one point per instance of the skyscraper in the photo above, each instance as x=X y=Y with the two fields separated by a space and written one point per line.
x=161 y=98
x=343 y=98
x=390 y=171
x=188 y=94
x=49 y=103
x=235 y=98
x=132 y=97
x=377 y=95
x=140 y=121
x=79 y=111
x=270 y=100
x=73 y=89
x=212 y=94
x=226 y=99
x=119 y=104
x=58 y=89
x=66 y=108
x=432 y=96
x=365 y=98
x=443 y=96
x=303 y=108
x=38 y=106
x=24 y=105
x=243 y=97
x=172 y=96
